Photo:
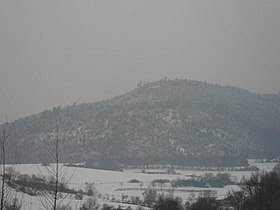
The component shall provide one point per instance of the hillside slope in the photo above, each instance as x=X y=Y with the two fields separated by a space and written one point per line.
x=178 y=121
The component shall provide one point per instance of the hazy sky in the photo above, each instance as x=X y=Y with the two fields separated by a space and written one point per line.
x=56 y=52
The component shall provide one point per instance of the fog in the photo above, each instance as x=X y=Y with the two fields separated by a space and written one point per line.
x=59 y=52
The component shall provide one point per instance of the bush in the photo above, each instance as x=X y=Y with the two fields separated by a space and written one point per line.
x=134 y=181
x=204 y=203
x=277 y=169
x=90 y=204
x=168 y=203
x=14 y=204
x=150 y=196
x=106 y=207
x=160 y=181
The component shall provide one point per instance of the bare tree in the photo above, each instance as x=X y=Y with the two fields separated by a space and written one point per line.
x=55 y=153
x=57 y=174
x=8 y=200
x=3 y=161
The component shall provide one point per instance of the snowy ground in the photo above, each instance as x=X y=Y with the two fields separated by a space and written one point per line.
x=113 y=185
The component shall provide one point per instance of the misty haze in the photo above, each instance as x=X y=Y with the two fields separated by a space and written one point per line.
x=155 y=105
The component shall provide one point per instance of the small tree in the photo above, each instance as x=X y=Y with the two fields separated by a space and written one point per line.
x=235 y=198
x=203 y=203
x=90 y=189
x=150 y=196
x=168 y=203
x=192 y=198
x=206 y=200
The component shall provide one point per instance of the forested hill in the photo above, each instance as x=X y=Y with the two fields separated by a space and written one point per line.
x=178 y=121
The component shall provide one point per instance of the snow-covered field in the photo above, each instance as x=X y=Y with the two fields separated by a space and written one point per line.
x=111 y=185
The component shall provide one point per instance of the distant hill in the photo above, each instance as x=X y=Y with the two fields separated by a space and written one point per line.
x=181 y=122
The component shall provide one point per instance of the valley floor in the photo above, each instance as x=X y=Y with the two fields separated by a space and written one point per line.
x=117 y=188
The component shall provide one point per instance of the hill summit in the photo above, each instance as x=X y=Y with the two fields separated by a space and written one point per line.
x=181 y=122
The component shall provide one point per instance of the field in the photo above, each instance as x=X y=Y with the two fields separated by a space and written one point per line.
x=113 y=187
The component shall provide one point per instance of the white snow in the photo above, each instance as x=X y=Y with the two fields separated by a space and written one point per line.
x=112 y=184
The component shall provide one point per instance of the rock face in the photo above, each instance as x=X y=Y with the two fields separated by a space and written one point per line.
x=179 y=121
